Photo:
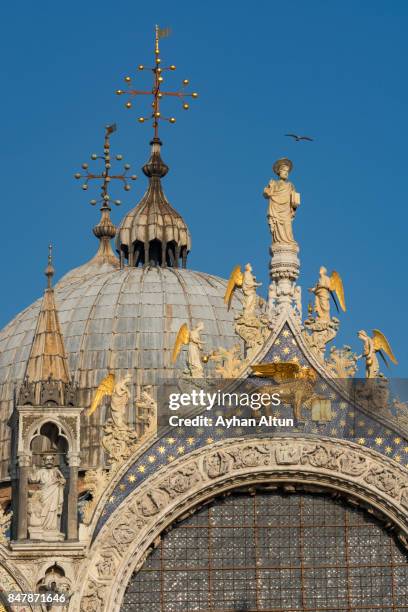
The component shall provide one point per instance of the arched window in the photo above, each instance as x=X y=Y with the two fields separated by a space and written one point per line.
x=276 y=552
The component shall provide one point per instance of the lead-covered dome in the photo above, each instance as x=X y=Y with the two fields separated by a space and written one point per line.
x=125 y=320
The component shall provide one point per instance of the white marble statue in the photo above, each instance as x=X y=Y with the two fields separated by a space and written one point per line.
x=119 y=402
x=45 y=505
x=283 y=202
x=195 y=347
x=249 y=286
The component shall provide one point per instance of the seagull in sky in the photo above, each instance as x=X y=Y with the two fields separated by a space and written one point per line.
x=299 y=138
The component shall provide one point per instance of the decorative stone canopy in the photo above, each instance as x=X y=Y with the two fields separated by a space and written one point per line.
x=153 y=232
x=47 y=378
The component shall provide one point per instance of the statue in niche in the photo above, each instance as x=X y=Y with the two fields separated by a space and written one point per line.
x=283 y=202
x=45 y=504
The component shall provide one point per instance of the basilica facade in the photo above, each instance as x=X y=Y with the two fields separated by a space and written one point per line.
x=105 y=503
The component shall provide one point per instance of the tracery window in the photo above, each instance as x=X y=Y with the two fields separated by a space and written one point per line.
x=275 y=552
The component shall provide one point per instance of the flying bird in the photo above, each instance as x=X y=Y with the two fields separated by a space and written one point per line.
x=299 y=138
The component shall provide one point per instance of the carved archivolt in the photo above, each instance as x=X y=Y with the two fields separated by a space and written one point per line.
x=134 y=528
x=8 y=582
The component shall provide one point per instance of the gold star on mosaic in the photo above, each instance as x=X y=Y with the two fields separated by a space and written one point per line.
x=286 y=350
x=277 y=342
x=360 y=423
x=370 y=431
x=342 y=422
x=161 y=450
x=180 y=450
x=210 y=440
x=285 y=333
x=361 y=441
x=151 y=459
x=397 y=458
x=132 y=478
x=397 y=440
x=112 y=499
x=343 y=405
x=190 y=441
x=122 y=487
x=405 y=449
x=141 y=469
x=334 y=431
x=295 y=359
x=379 y=441
x=276 y=358
x=170 y=458
x=388 y=450
x=170 y=440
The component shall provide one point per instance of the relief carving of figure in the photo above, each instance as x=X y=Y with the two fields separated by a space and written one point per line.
x=283 y=202
x=287 y=454
x=182 y=481
x=45 y=505
x=383 y=480
x=217 y=464
x=353 y=464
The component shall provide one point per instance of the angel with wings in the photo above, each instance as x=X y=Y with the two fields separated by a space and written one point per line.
x=120 y=395
x=248 y=283
x=192 y=339
x=326 y=287
x=371 y=346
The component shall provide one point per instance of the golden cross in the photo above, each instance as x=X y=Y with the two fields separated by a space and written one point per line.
x=156 y=90
x=105 y=175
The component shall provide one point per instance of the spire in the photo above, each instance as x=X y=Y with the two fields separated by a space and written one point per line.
x=105 y=230
x=153 y=233
x=47 y=378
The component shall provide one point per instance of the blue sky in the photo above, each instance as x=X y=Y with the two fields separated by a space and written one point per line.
x=334 y=70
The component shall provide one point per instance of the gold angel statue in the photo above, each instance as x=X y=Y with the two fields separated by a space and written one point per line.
x=192 y=339
x=371 y=346
x=105 y=388
x=248 y=283
x=118 y=392
x=325 y=287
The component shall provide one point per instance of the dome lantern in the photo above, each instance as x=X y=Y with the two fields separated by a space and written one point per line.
x=154 y=233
